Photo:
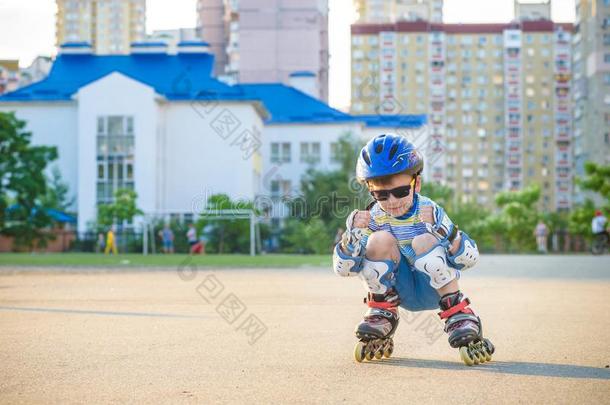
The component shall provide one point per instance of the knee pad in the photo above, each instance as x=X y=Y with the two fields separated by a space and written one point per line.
x=434 y=263
x=378 y=275
x=467 y=254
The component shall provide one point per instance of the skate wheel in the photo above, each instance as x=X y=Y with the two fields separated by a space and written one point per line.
x=488 y=348
x=379 y=354
x=387 y=353
x=487 y=356
x=369 y=354
x=466 y=357
x=359 y=351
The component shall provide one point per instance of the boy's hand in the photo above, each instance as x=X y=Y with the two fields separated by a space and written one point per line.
x=352 y=237
x=362 y=219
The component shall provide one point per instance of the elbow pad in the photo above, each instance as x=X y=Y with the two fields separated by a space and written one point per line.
x=467 y=254
x=345 y=265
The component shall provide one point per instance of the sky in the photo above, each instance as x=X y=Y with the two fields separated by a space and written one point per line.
x=27 y=28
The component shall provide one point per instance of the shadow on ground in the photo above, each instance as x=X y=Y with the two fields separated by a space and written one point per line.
x=505 y=367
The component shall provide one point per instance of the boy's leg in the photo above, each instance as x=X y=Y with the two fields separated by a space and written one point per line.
x=461 y=323
x=378 y=273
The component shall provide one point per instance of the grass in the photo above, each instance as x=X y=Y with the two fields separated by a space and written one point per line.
x=138 y=260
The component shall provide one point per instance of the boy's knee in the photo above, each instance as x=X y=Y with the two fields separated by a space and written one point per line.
x=382 y=245
x=422 y=243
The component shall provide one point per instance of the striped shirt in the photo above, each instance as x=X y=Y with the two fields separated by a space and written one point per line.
x=405 y=227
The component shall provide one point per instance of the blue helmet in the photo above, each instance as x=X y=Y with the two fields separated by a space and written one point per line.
x=389 y=154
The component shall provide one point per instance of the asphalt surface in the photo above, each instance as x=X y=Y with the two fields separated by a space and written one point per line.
x=286 y=336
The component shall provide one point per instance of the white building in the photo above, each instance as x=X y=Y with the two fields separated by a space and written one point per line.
x=38 y=70
x=162 y=125
x=173 y=37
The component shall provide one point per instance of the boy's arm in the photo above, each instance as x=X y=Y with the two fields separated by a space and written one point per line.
x=462 y=251
x=350 y=251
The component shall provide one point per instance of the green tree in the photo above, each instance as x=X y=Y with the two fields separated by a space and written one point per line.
x=23 y=184
x=56 y=196
x=597 y=179
x=579 y=219
x=124 y=208
x=227 y=235
x=441 y=194
x=310 y=237
x=519 y=214
x=326 y=197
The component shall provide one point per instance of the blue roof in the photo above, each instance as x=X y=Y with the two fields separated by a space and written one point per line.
x=193 y=43
x=289 y=105
x=393 y=121
x=148 y=44
x=188 y=76
x=56 y=215
x=177 y=77
x=66 y=45
x=302 y=73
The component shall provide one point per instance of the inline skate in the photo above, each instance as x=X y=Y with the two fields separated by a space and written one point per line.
x=465 y=329
x=376 y=330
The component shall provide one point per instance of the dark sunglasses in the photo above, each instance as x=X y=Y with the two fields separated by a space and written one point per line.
x=398 y=192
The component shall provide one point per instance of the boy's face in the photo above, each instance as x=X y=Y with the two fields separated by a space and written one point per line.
x=396 y=206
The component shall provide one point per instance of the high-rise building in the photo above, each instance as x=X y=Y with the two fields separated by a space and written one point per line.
x=591 y=60
x=540 y=10
x=381 y=11
x=263 y=41
x=110 y=26
x=497 y=96
x=213 y=24
x=9 y=75
x=173 y=37
x=38 y=70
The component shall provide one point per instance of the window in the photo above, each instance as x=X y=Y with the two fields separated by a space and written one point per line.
x=310 y=152
x=280 y=188
x=334 y=152
x=115 y=156
x=466 y=40
x=100 y=125
x=280 y=152
x=607 y=58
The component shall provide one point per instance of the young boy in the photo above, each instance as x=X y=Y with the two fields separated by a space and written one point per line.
x=408 y=252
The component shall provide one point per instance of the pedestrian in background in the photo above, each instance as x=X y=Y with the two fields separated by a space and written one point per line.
x=167 y=238
x=111 y=241
x=100 y=245
x=541 y=232
x=191 y=236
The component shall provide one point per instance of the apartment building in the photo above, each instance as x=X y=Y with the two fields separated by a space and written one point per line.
x=497 y=96
x=110 y=26
x=591 y=66
x=264 y=41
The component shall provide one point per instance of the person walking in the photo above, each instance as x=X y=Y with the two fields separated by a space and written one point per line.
x=111 y=241
x=541 y=233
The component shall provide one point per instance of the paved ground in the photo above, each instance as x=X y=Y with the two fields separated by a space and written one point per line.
x=100 y=336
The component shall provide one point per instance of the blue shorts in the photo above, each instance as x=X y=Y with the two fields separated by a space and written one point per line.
x=414 y=289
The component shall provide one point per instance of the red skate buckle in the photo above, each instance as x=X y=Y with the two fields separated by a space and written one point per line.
x=455 y=309
x=381 y=304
